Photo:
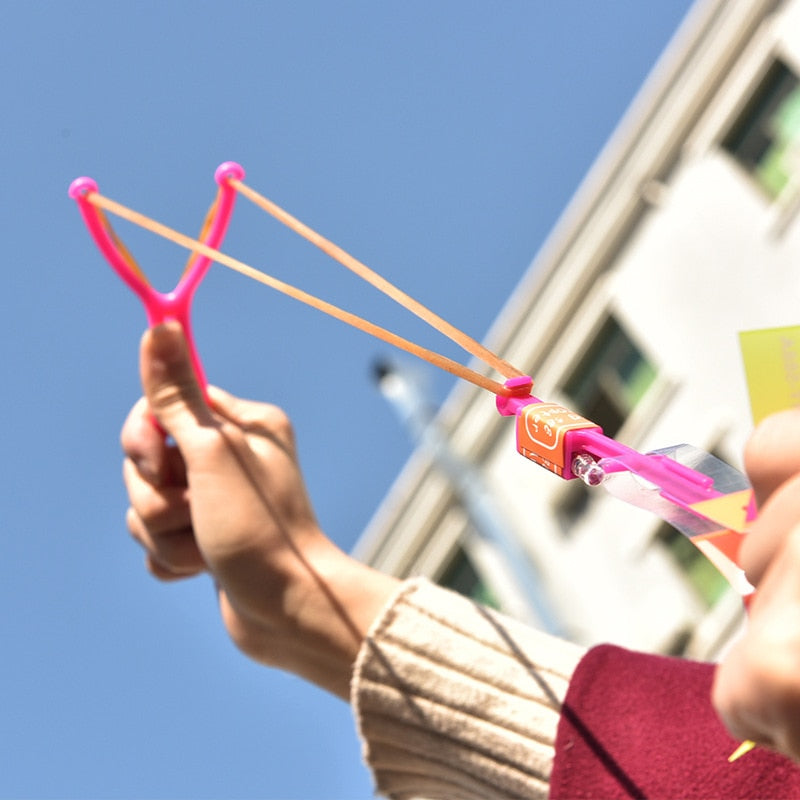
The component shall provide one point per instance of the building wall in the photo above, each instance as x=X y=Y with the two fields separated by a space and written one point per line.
x=677 y=242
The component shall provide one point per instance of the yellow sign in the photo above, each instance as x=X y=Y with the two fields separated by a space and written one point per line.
x=772 y=369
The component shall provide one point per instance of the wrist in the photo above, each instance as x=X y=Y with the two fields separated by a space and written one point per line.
x=333 y=607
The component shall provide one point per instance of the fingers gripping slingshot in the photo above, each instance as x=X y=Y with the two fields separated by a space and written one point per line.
x=175 y=305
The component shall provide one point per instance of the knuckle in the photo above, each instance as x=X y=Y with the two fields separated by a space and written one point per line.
x=144 y=501
x=176 y=394
x=271 y=421
x=179 y=554
x=160 y=571
x=282 y=426
x=176 y=554
x=214 y=445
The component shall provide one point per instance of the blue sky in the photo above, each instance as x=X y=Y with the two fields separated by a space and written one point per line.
x=437 y=141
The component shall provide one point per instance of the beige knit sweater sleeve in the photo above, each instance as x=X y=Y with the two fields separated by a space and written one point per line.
x=455 y=701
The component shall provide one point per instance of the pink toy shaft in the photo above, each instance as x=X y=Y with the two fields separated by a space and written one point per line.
x=678 y=483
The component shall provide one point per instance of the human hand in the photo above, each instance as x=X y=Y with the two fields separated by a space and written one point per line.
x=757 y=686
x=226 y=496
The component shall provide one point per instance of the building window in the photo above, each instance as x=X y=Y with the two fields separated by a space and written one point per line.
x=461 y=576
x=610 y=379
x=701 y=574
x=765 y=138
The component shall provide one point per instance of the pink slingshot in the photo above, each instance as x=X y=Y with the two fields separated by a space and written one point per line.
x=163 y=306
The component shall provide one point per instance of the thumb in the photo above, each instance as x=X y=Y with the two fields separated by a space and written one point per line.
x=170 y=384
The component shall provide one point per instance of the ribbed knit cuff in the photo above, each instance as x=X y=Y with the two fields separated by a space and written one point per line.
x=453 y=700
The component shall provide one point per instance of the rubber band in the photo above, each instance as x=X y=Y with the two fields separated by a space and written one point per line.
x=124 y=252
x=466 y=342
x=198 y=247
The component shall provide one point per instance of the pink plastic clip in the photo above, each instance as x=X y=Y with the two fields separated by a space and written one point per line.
x=174 y=305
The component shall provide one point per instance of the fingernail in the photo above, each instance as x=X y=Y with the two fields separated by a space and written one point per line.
x=167 y=342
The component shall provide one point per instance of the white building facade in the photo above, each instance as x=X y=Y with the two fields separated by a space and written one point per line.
x=685 y=232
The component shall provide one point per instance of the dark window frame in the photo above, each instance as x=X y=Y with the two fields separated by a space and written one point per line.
x=610 y=378
x=755 y=140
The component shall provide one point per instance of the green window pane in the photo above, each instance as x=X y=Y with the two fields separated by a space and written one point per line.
x=638 y=382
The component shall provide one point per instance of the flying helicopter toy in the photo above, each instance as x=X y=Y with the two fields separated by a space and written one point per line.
x=706 y=500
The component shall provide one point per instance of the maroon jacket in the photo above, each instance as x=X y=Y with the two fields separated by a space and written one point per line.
x=642 y=726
